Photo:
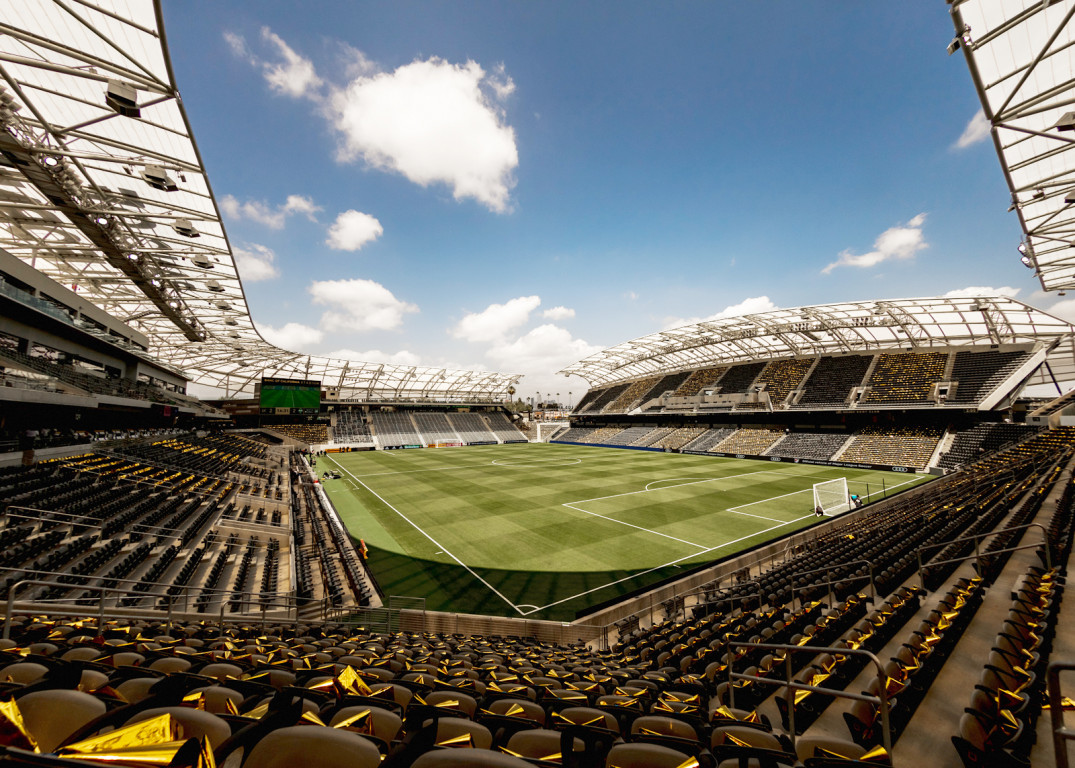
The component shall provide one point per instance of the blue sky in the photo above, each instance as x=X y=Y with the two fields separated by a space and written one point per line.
x=514 y=186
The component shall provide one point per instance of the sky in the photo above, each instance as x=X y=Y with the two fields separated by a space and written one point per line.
x=515 y=186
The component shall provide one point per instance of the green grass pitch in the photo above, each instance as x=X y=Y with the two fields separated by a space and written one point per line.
x=545 y=531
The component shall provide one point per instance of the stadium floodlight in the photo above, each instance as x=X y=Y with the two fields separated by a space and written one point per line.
x=123 y=98
x=1066 y=123
x=158 y=178
x=831 y=497
x=1069 y=198
x=185 y=228
x=954 y=45
x=1027 y=262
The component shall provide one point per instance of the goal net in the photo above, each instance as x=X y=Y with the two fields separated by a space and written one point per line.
x=832 y=496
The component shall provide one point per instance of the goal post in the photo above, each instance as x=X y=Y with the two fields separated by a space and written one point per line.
x=832 y=496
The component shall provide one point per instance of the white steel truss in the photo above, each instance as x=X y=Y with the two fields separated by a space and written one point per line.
x=833 y=329
x=1022 y=62
x=102 y=189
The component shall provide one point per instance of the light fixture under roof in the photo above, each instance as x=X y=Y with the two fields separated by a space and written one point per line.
x=1066 y=123
x=123 y=98
x=186 y=228
x=202 y=261
x=157 y=177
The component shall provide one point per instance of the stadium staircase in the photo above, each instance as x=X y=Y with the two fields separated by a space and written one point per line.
x=943 y=446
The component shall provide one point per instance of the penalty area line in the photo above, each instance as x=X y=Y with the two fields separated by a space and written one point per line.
x=665 y=565
x=571 y=505
x=440 y=546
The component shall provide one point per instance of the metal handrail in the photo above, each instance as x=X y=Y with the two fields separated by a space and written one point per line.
x=1061 y=733
x=288 y=601
x=977 y=549
x=148 y=530
x=791 y=685
x=102 y=591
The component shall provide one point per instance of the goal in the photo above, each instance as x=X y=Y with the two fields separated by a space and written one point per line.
x=832 y=496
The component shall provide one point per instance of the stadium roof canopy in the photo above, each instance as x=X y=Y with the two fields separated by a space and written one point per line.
x=1023 y=67
x=832 y=329
x=103 y=190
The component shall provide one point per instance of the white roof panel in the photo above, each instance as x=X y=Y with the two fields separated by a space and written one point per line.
x=1023 y=66
x=832 y=329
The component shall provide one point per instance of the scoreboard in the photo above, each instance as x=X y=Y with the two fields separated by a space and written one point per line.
x=283 y=397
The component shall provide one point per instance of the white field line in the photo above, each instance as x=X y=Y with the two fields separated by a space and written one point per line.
x=748 y=514
x=674 y=562
x=806 y=490
x=632 y=525
x=702 y=550
x=648 y=489
x=435 y=542
x=559 y=463
x=710 y=549
x=765 y=501
x=670 y=479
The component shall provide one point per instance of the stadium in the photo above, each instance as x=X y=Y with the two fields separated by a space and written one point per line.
x=830 y=535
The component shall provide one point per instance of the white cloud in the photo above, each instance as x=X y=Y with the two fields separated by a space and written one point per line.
x=434 y=122
x=291 y=74
x=358 y=305
x=538 y=354
x=255 y=262
x=402 y=357
x=355 y=63
x=352 y=230
x=294 y=75
x=496 y=321
x=294 y=337
x=977 y=130
x=631 y=295
x=1063 y=309
x=558 y=313
x=748 y=306
x=263 y=213
x=238 y=46
x=900 y=242
x=979 y=290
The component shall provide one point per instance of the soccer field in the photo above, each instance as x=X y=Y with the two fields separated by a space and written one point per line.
x=545 y=531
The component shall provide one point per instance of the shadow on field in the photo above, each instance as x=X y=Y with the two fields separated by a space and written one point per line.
x=454 y=589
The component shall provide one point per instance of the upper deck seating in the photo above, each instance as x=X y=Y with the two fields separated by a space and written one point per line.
x=905 y=377
x=829 y=385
